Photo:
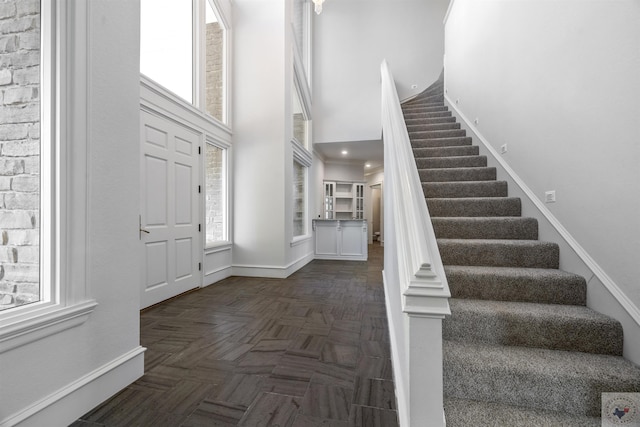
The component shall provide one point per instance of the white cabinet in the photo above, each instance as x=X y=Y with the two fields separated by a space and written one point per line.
x=341 y=239
x=343 y=200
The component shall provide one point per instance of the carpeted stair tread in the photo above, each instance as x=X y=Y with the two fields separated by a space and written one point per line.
x=499 y=253
x=424 y=109
x=468 y=413
x=546 y=286
x=427 y=115
x=432 y=126
x=465 y=189
x=474 y=206
x=431 y=121
x=430 y=134
x=485 y=228
x=551 y=326
x=446 y=151
x=426 y=102
x=454 y=141
x=457 y=174
x=451 y=162
x=535 y=378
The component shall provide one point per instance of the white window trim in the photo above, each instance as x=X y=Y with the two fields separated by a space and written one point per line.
x=63 y=210
x=227 y=212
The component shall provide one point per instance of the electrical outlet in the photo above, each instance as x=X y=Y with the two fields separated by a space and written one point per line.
x=476 y=121
x=503 y=148
x=550 y=196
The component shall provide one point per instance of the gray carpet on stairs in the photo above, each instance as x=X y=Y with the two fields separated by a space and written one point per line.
x=520 y=347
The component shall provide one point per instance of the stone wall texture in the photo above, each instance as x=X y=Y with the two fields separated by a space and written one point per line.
x=214 y=70
x=19 y=152
x=215 y=206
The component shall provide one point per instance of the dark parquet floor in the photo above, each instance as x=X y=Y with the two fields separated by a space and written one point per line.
x=309 y=350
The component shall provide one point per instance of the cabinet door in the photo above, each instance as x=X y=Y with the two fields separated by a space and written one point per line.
x=329 y=199
x=358 y=201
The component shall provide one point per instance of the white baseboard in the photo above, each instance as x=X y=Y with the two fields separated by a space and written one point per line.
x=575 y=258
x=72 y=401
x=273 y=272
x=214 y=276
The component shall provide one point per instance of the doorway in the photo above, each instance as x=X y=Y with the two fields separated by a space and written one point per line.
x=376 y=214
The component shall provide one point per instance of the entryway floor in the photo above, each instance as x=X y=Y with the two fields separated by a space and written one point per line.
x=309 y=350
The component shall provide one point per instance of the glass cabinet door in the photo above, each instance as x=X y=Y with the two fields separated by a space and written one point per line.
x=329 y=200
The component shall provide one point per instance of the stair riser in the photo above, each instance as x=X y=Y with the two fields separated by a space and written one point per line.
x=474 y=207
x=446 y=151
x=457 y=174
x=438 y=134
x=497 y=254
x=486 y=228
x=430 y=101
x=431 y=115
x=452 y=162
x=431 y=121
x=430 y=127
x=569 y=290
x=514 y=329
x=465 y=189
x=441 y=142
x=425 y=109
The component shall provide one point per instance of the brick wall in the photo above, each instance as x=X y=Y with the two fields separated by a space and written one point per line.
x=19 y=151
x=214 y=208
x=215 y=50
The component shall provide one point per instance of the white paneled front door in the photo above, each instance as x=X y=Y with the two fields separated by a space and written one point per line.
x=169 y=201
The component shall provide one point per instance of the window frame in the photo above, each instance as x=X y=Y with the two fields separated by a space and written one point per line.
x=200 y=63
x=225 y=147
x=198 y=66
x=63 y=199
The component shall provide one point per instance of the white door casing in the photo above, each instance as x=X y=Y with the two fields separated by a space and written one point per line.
x=169 y=208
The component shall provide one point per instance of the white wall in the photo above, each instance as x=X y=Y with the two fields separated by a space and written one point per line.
x=558 y=82
x=350 y=40
x=262 y=133
x=336 y=171
x=64 y=363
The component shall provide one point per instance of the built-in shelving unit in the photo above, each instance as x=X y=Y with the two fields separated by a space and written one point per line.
x=343 y=200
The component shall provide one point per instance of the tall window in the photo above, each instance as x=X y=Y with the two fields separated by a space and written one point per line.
x=214 y=63
x=215 y=209
x=166 y=56
x=20 y=155
x=299 y=199
x=184 y=48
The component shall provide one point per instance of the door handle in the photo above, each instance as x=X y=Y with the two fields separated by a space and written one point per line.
x=141 y=230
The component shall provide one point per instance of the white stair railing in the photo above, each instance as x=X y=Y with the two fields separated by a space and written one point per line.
x=416 y=288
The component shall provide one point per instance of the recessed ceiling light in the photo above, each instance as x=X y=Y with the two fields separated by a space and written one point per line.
x=345 y=152
x=367 y=165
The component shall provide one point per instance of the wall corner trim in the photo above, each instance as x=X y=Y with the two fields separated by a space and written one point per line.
x=632 y=310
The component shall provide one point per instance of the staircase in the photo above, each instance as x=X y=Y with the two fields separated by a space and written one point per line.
x=520 y=348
